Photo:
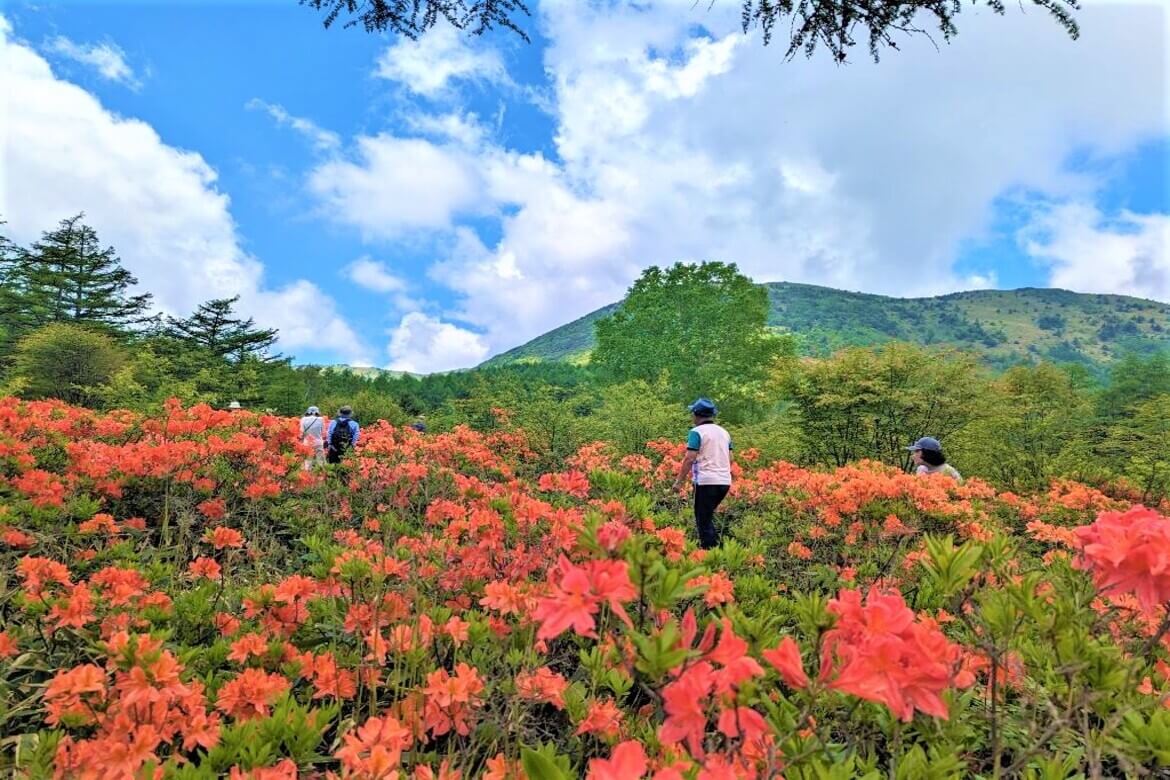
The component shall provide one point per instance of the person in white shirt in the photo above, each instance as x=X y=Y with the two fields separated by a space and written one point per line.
x=313 y=435
x=708 y=463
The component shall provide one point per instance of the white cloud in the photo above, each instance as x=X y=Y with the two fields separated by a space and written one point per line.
x=107 y=59
x=398 y=184
x=672 y=147
x=322 y=140
x=423 y=344
x=373 y=276
x=1087 y=252
x=429 y=65
x=62 y=152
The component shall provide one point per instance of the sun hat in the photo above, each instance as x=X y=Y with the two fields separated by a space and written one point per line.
x=312 y=410
x=704 y=407
x=345 y=411
x=235 y=405
x=926 y=443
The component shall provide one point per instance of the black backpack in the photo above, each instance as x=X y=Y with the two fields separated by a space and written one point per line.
x=342 y=437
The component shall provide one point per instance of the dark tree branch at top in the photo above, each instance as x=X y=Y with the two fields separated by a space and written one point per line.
x=412 y=18
x=834 y=24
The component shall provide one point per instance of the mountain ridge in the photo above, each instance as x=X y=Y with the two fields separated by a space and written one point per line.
x=1006 y=326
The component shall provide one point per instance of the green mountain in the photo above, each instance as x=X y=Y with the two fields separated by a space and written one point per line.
x=1005 y=325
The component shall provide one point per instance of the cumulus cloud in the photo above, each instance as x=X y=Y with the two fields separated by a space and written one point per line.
x=62 y=152
x=373 y=276
x=676 y=146
x=429 y=66
x=322 y=140
x=1087 y=252
x=425 y=344
x=107 y=59
x=394 y=185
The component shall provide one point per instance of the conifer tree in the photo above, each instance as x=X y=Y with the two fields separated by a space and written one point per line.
x=214 y=327
x=68 y=277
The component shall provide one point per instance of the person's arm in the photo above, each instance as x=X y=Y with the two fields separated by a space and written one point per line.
x=329 y=431
x=357 y=432
x=688 y=462
x=684 y=470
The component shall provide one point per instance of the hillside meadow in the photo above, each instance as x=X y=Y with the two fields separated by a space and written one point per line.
x=181 y=599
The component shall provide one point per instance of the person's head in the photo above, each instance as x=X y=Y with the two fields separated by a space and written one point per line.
x=345 y=411
x=927 y=451
x=313 y=411
x=703 y=409
x=234 y=405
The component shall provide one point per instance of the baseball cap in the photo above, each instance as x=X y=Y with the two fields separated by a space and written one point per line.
x=926 y=443
x=704 y=407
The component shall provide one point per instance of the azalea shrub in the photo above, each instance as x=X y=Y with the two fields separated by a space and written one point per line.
x=181 y=598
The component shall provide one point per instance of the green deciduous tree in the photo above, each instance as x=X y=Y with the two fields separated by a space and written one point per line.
x=1140 y=448
x=702 y=329
x=1036 y=426
x=870 y=403
x=65 y=361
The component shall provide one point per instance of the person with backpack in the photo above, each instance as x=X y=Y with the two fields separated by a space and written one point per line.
x=343 y=434
x=708 y=463
x=929 y=459
x=313 y=437
x=419 y=424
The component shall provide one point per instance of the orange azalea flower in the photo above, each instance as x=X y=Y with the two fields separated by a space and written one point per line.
x=17 y=540
x=74 y=693
x=329 y=680
x=373 y=750
x=223 y=537
x=285 y=769
x=685 y=703
x=786 y=660
x=542 y=685
x=251 y=694
x=75 y=611
x=8 y=645
x=604 y=718
x=1129 y=553
x=205 y=567
x=456 y=628
x=798 y=550
x=247 y=646
x=628 y=762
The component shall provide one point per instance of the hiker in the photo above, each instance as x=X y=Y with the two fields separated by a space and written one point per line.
x=313 y=436
x=708 y=462
x=420 y=424
x=343 y=433
x=234 y=406
x=929 y=459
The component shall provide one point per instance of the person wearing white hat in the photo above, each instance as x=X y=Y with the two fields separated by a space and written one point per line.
x=234 y=406
x=313 y=436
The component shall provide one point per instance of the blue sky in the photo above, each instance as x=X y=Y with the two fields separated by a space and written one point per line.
x=425 y=205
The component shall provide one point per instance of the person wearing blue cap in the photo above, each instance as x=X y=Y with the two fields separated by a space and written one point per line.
x=708 y=462
x=929 y=459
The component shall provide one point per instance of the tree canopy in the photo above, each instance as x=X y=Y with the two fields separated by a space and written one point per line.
x=67 y=276
x=214 y=327
x=704 y=327
x=837 y=25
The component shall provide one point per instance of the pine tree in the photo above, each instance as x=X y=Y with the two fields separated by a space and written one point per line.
x=215 y=328
x=68 y=277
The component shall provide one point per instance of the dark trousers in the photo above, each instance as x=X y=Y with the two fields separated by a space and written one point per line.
x=333 y=456
x=707 y=498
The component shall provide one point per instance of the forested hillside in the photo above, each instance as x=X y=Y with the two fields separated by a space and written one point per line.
x=1006 y=326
